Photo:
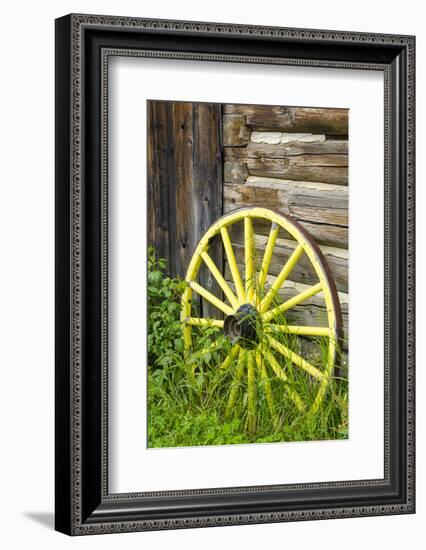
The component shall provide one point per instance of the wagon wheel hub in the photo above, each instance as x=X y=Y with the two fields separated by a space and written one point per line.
x=242 y=327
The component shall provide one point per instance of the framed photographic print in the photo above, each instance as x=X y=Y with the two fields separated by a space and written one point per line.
x=234 y=274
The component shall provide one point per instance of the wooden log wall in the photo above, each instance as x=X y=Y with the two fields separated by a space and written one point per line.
x=292 y=160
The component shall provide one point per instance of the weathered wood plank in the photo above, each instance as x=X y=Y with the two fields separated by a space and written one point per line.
x=235 y=172
x=330 y=235
x=327 y=121
x=285 y=137
x=293 y=119
x=184 y=181
x=182 y=189
x=329 y=147
x=304 y=160
x=318 y=168
x=235 y=131
x=262 y=150
x=312 y=202
x=207 y=177
x=161 y=200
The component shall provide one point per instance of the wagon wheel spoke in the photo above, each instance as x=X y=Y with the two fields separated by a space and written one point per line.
x=210 y=349
x=235 y=384
x=281 y=277
x=233 y=265
x=267 y=256
x=311 y=291
x=249 y=258
x=220 y=280
x=295 y=358
x=232 y=355
x=211 y=298
x=251 y=398
x=268 y=390
x=195 y=357
x=320 y=395
x=185 y=313
x=203 y=322
x=279 y=372
x=300 y=330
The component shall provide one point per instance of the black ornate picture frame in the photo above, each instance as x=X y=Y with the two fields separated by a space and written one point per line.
x=84 y=43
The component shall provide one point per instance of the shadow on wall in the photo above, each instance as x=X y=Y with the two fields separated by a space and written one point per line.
x=47 y=519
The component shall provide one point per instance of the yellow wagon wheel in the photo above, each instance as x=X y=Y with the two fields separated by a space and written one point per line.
x=251 y=314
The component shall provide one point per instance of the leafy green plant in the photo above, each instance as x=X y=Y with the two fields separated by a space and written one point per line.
x=164 y=328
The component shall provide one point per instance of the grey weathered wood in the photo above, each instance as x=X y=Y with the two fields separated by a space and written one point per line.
x=235 y=172
x=183 y=185
x=207 y=175
x=325 y=204
x=319 y=214
x=327 y=234
x=262 y=150
x=332 y=235
x=319 y=168
x=293 y=119
x=161 y=193
x=184 y=181
x=235 y=130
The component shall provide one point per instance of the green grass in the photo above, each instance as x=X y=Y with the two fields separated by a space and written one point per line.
x=187 y=410
x=188 y=395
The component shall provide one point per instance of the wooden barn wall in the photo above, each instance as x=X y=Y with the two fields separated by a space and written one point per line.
x=205 y=159
x=184 y=176
x=292 y=160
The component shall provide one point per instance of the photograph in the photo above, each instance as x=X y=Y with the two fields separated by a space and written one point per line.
x=247 y=277
x=209 y=284
x=234 y=272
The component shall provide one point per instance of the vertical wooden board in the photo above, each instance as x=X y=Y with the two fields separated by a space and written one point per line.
x=184 y=182
x=182 y=185
x=159 y=178
x=208 y=192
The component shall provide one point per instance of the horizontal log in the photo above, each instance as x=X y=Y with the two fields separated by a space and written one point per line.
x=303 y=272
x=323 y=215
x=329 y=235
x=235 y=131
x=307 y=201
x=263 y=150
x=301 y=160
x=293 y=119
x=318 y=168
x=329 y=147
x=284 y=137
